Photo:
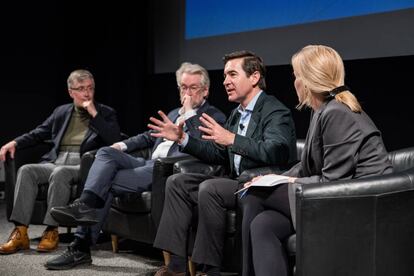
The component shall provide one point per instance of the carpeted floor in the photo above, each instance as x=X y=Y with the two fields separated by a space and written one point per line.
x=133 y=259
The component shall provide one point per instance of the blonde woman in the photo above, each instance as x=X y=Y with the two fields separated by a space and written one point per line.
x=342 y=143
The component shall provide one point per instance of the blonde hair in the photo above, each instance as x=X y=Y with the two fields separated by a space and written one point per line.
x=321 y=69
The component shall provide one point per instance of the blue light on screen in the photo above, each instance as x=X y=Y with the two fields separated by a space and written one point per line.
x=218 y=17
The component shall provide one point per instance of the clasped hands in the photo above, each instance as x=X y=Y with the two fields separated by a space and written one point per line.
x=212 y=130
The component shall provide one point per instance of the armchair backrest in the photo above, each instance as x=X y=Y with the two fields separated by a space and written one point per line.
x=402 y=159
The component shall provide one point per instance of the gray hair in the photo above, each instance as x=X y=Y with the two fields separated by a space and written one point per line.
x=79 y=76
x=192 y=69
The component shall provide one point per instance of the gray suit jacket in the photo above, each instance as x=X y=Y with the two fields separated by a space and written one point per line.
x=145 y=140
x=340 y=145
x=270 y=139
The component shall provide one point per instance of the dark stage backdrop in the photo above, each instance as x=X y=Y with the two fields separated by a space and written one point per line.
x=43 y=42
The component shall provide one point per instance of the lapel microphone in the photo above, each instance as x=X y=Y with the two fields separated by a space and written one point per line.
x=241 y=127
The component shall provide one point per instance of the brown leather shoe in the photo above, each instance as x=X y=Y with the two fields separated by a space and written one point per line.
x=18 y=240
x=49 y=241
x=164 y=271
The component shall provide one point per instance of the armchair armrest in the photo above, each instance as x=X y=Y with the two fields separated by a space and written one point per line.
x=356 y=224
x=163 y=168
x=85 y=165
x=28 y=155
x=197 y=166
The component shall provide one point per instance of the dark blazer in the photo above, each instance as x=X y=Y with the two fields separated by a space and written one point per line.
x=340 y=144
x=270 y=139
x=145 y=140
x=103 y=130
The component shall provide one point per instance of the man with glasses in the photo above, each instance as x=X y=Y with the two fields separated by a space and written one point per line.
x=259 y=132
x=115 y=171
x=74 y=129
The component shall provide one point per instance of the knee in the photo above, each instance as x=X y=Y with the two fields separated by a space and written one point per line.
x=60 y=175
x=173 y=183
x=105 y=152
x=207 y=191
x=259 y=227
x=27 y=172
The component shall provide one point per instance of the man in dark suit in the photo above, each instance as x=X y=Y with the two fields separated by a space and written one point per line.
x=74 y=129
x=115 y=171
x=259 y=132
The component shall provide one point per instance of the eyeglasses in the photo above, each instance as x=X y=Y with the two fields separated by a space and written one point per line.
x=83 y=88
x=193 y=89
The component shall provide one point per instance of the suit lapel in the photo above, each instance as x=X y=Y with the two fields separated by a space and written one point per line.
x=254 y=119
x=88 y=135
x=233 y=127
x=234 y=121
x=313 y=126
x=203 y=108
x=256 y=114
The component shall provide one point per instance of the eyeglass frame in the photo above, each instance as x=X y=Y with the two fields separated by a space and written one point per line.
x=192 y=89
x=83 y=88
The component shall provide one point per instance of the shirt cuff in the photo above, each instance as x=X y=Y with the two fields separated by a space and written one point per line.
x=190 y=113
x=122 y=145
x=185 y=141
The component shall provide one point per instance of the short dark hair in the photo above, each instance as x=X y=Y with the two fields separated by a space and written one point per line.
x=251 y=64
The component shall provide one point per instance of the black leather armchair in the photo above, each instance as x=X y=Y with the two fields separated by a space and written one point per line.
x=358 y=227
x=354 y=227
x=136 y=216
x=26 y=156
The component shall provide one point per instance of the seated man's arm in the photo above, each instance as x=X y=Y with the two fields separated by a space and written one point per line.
x=271 y=142
x=105 y=124
x=193 y=123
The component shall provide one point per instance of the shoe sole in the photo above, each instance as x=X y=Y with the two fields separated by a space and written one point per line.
x=46 y=250
x=69 y=266
x=12 y=252
x=67 y=220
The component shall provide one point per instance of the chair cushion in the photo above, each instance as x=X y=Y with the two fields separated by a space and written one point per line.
x=133 y=202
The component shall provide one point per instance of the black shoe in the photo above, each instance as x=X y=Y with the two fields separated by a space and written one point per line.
x=77 y=213
x=70 y=258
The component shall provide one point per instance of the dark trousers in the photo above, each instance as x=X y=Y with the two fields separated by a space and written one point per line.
x=266 y=225
x=212 y=196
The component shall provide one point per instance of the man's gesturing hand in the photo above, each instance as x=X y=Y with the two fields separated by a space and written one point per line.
x=215 y=132
x=166 y=128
